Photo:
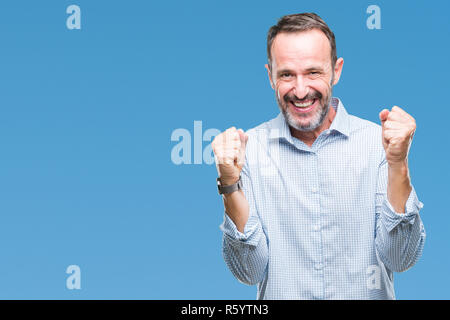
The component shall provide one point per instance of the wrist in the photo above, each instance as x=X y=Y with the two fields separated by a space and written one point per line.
x=399 y=172
x=398 y=165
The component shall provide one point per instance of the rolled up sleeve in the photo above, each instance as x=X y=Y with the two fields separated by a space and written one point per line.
x=246 y=254
x=400 y=236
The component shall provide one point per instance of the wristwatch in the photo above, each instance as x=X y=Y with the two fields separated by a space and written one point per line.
x=229 y=189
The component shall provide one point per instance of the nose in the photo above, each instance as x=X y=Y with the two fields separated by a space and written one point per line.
x=300 y=87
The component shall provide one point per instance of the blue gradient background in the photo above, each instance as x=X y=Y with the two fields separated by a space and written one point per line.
x=86 y=118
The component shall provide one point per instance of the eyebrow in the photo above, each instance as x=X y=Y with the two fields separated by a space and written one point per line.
x=312 y=68
x=283 y=71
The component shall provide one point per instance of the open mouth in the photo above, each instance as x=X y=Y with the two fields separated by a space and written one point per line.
x=303 y=106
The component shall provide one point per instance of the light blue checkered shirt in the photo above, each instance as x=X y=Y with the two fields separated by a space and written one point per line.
x=320 y=225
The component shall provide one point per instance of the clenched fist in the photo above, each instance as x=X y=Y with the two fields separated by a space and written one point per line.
x=397 y=129
x=229 y=153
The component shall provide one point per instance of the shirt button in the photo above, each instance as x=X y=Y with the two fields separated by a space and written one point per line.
x=314 y=190
x=318 y=266
x=316 y=228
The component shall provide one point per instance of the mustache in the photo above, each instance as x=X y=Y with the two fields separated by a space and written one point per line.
x=310 y=96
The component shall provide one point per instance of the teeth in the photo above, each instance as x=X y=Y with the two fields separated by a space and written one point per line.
x=304 y=105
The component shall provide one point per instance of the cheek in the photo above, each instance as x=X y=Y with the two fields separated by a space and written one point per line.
x=322 y=86
x=325 y=83
x=282 y=88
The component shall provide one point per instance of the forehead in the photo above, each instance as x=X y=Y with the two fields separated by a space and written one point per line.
x=301 y=49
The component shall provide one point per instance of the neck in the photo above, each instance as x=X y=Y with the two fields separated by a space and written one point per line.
x=308 y=137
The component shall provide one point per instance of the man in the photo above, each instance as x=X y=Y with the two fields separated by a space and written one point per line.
x=318 y=203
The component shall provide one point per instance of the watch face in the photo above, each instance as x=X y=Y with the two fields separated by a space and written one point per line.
x=218 y=185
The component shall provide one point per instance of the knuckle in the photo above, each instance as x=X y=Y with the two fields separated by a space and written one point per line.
x=219 y=137
x=219 y=159
x=228 y=161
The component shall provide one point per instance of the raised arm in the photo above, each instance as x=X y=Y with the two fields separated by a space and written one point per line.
x=244 y=244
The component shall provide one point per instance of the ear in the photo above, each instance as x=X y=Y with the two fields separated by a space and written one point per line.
x=338 y=70
x=269 y=73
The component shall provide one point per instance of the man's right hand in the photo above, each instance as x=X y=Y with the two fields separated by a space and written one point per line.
x=229 y=150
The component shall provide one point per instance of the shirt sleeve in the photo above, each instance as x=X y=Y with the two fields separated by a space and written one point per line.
x=246 y=254
x=400 y=236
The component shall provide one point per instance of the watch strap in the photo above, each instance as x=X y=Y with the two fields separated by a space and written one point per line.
x=229 y=189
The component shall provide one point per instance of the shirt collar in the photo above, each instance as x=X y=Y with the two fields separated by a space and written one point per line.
x=280 y=128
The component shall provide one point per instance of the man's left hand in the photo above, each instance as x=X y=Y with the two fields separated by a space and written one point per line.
x=397 y=129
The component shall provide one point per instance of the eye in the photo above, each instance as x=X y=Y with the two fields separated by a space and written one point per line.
x=286 y=75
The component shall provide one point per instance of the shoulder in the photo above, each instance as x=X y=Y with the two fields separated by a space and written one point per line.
x=364 y=131
x=264 y=126
x=366 y=135
x=363 y=126
x=261 y=141
x=264 y=130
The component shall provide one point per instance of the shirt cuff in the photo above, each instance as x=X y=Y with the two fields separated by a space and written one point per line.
x=252 y=230
x=391 y=218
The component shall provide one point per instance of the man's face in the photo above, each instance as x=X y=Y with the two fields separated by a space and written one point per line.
x=302 y=76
